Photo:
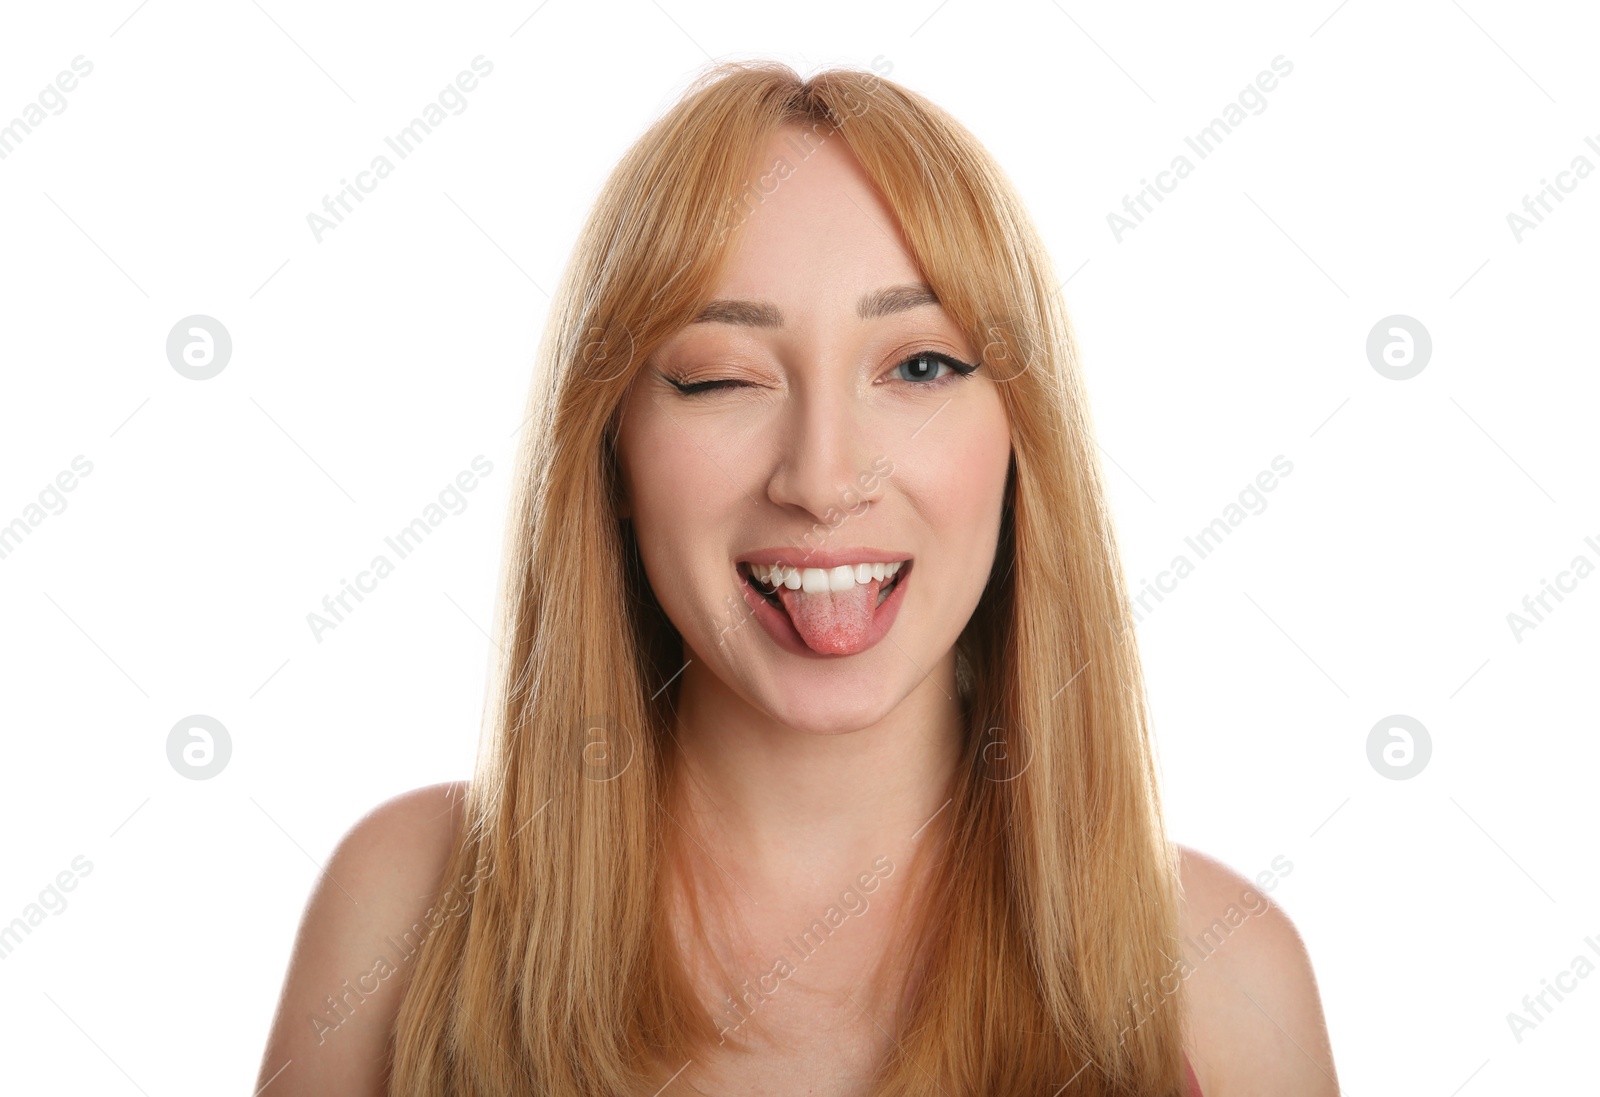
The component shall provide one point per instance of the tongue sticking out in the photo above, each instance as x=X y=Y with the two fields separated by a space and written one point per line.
x=833 y=622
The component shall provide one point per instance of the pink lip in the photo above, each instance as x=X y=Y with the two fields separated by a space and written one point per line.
x=778 y=626
x=793 y=557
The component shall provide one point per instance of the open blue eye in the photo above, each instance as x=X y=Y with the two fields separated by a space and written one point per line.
x=925 y=367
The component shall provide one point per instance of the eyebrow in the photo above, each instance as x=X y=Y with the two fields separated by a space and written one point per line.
x=764 y=314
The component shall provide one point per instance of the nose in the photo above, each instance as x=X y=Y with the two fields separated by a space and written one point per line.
x=822 y=464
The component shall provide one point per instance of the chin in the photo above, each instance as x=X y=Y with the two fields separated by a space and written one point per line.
x=816 y=698
x=808 y=714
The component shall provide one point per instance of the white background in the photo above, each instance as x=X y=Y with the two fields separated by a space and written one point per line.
x=372 y=367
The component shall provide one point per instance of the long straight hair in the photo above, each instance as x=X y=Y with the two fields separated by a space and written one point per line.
x=1044 y=949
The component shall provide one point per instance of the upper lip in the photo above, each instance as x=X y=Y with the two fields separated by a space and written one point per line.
x=790 y=556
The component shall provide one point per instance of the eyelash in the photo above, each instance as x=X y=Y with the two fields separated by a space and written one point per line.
x=958 y=369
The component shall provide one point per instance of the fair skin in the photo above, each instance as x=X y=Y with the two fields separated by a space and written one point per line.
x=804 y=769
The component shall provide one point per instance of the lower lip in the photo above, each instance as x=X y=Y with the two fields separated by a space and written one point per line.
x=781 y=629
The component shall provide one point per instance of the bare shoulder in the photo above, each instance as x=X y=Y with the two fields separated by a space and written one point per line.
x=348 y=970
x=1255 y=1024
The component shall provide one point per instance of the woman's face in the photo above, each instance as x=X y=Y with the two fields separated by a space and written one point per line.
x=826 y=432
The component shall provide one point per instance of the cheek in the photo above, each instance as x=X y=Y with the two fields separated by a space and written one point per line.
x=662 y=468
x=680 y=455
x=674 y=485
x=680 y=504
x=964 y=475
x=958 y=487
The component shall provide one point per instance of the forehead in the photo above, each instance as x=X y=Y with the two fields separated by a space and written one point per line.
x=813 y=234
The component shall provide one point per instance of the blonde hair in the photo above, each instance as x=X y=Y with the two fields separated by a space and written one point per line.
x=1051 y=912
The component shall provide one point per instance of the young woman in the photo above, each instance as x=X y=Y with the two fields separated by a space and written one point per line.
x=819 y=761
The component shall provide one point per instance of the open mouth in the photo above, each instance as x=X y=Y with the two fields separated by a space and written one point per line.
x=770 y=580
x=828 y=611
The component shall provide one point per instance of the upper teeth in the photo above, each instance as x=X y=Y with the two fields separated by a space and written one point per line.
x=817 y=580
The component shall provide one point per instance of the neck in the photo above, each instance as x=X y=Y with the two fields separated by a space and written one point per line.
x=787 y=814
